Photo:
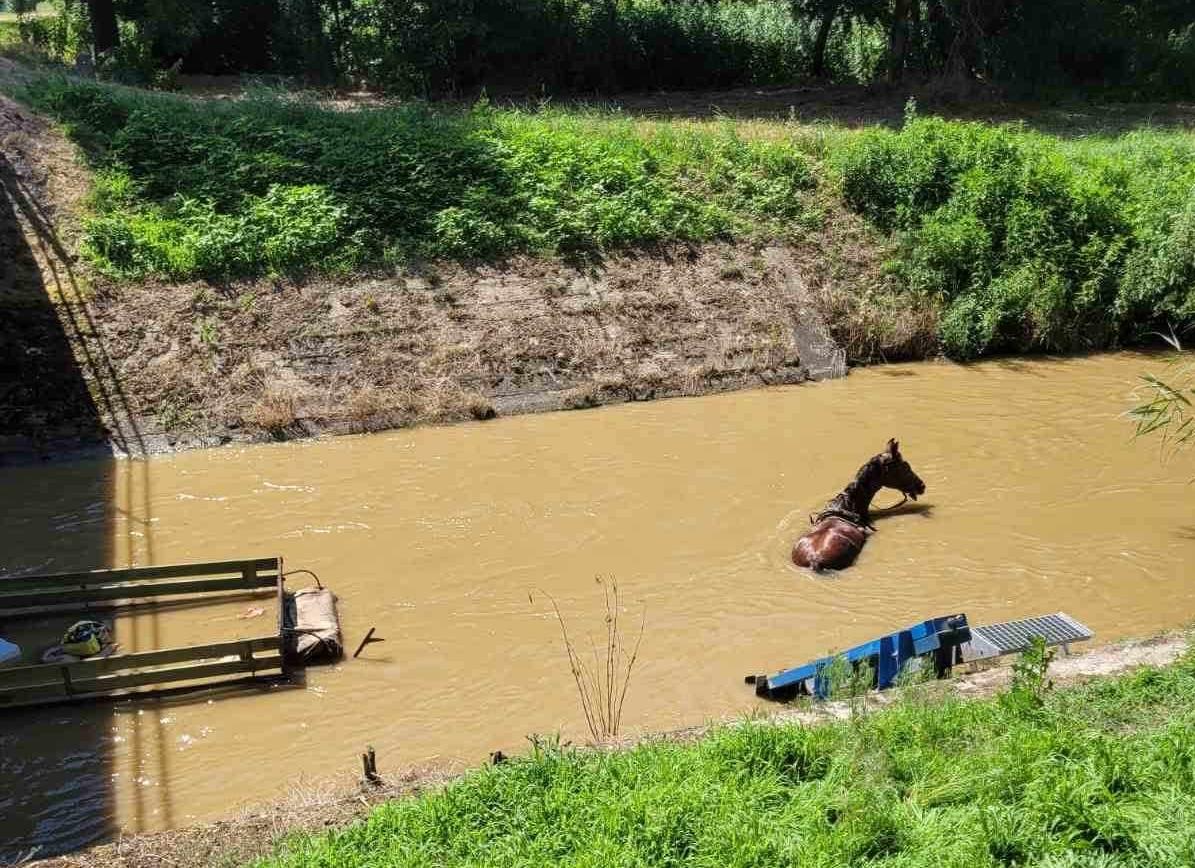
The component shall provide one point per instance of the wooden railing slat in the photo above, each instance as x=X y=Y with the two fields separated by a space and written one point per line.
x=176 y=673
x=81 y=596
x=23 y=585
x=166 y=571
x=114 y=683
x=44 y=673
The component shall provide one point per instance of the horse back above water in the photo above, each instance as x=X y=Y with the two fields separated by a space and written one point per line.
x=840 y=530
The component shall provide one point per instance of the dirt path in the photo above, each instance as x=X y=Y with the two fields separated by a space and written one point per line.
x=846 y=105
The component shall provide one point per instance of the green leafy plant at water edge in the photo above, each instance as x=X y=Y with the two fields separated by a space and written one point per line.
x=1165 y=408
x=1030 y=683
x=849 y=682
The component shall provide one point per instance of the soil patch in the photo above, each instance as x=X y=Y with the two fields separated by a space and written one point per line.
x=199 y=364
x=44 y=398
x=846 y=105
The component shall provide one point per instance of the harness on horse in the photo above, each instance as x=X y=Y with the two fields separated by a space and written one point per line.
x=835 y=510
x=840 y=512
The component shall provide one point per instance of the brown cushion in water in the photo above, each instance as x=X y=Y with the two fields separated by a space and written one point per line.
x=312 y=627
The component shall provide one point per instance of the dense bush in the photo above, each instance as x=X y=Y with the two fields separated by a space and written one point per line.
x=1142 y=50
x=189 y=188
x=1030 y=242
x=1033 y=243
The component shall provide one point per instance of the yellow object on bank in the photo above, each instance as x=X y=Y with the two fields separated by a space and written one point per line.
x=86 y=638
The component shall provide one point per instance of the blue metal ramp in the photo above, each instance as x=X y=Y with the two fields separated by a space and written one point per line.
x=949 y=638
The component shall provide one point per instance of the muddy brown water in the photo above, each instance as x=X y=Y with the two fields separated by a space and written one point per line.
x=447 y=540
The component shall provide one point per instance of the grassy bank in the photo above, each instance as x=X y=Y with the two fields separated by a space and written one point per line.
x=1029 y=242
x=187 y=189
x=1097 y=775
x=1033 y=242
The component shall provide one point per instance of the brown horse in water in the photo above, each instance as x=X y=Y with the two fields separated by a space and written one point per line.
x=840 y=530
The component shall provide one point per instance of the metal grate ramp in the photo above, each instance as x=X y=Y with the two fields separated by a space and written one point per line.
x=1011 y=637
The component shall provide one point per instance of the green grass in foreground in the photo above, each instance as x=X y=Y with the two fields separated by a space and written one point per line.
x=1101 y=775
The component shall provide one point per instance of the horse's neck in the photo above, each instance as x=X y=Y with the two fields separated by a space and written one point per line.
x=859 y=493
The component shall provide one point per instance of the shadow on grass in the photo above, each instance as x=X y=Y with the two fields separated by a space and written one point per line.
x=856 y=106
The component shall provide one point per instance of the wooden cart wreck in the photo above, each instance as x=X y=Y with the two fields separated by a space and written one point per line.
x=273 y=656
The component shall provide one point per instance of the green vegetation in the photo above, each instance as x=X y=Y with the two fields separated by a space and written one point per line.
x=13 y=11
x=1034 y=243
x=1030 y=242
x=186 y=188
x=1101 y=775
x=1140 y=48
x=579 y=45
x=1167 y=408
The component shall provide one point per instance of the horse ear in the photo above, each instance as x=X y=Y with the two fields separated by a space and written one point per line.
x=893 y=447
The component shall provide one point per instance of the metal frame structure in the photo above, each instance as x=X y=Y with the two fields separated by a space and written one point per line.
x=949 y=639
x=207 y=665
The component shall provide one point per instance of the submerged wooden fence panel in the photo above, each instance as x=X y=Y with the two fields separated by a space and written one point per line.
x=108 y=586
x=120 y=673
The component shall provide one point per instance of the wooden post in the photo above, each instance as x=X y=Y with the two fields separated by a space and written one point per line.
x=369 y=765
x=281 y=585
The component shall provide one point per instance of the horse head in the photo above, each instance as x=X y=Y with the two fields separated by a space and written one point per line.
x=896 y=472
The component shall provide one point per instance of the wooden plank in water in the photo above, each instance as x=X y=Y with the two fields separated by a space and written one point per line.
x=44 y=673
x=166 y=571
x=170 y=674
x=167 y=656
x=282 y=617
x=83 y=595
x=115 y=684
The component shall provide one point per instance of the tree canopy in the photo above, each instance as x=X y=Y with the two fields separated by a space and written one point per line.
x=437 y=46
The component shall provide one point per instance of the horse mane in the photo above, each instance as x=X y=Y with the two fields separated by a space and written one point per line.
x=853 y=502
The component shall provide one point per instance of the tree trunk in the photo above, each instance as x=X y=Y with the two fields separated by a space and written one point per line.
x=898 y=40
x=916 y=36
x=104 y=34
x=965 y=55
x=823 y=36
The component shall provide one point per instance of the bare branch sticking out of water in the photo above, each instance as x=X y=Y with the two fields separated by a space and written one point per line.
x=603 y=682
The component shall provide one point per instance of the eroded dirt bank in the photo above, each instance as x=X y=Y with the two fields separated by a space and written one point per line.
x=156 y=366
x=333 y=804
